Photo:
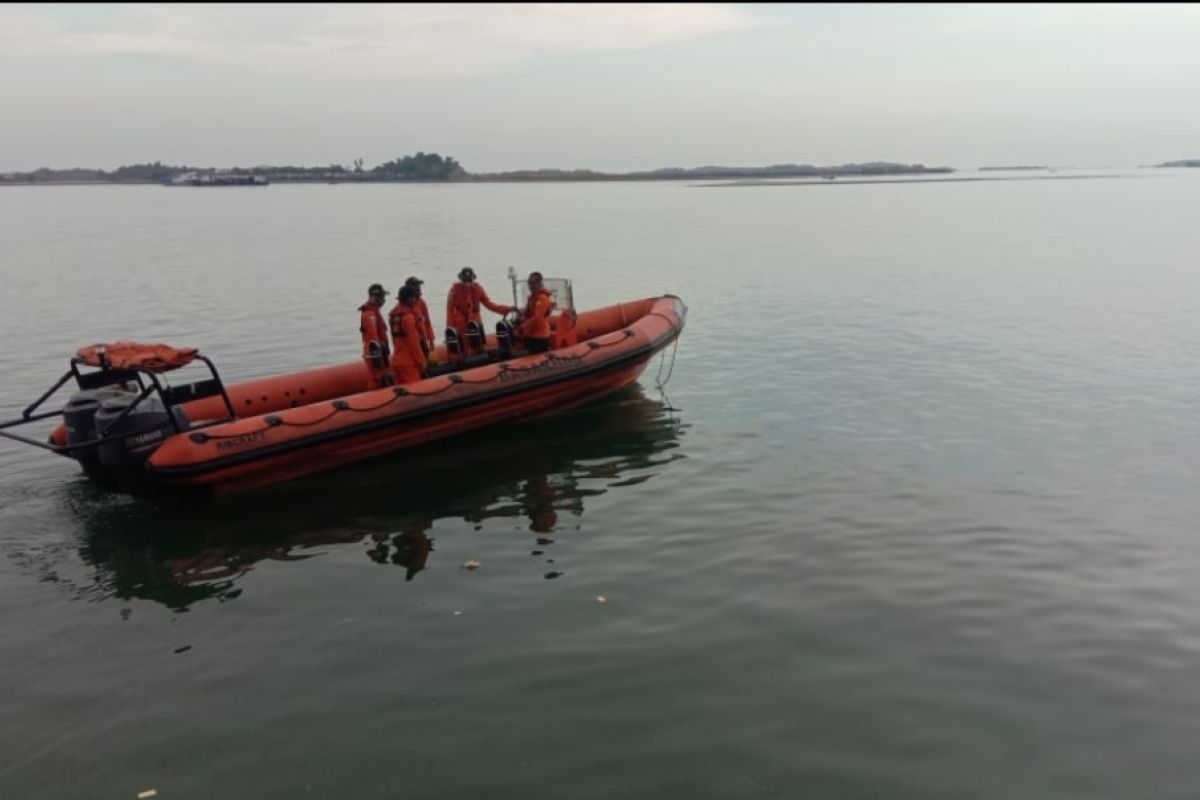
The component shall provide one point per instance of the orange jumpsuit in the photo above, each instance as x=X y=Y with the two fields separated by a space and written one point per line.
x=426 y=324
x=375 y=338
x=408 y=359
x=462 y=306
x=536 y=323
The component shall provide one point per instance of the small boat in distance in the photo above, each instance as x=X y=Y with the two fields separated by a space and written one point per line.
x=218 y=179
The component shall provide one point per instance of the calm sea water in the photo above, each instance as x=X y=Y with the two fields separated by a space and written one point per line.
x=915 y=518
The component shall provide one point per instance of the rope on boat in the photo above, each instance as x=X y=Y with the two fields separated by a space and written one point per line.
x=659 y=380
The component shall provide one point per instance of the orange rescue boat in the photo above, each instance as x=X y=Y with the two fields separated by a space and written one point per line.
x=133 y=431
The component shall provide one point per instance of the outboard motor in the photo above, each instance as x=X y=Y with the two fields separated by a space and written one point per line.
x=79 y=418
x=121 y=412
x=134 y=436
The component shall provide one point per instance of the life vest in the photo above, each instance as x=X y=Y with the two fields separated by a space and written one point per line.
x=462 y=305
x=396 y=319
x=536 y=324
x=406 y=334
x=373 y=329
x=425 y=323
x=134 y=355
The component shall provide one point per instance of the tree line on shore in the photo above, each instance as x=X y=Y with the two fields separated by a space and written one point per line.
x=419 y=167
x=434 y=167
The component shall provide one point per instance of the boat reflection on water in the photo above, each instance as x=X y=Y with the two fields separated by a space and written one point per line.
x=182 y=550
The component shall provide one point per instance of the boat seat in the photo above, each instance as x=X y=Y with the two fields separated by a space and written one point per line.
x=442 y=369
x=458 y=366
x=476 y=335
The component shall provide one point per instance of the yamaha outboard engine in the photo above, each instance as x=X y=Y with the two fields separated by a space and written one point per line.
x=79 y=418
x=133 y=434
x=122 y=412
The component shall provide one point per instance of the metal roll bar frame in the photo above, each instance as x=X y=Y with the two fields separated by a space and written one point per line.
x=148 y=383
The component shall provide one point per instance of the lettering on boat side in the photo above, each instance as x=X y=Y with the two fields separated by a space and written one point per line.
x=234 y=442
x=547 y=366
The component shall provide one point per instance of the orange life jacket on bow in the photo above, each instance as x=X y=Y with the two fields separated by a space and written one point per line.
x=134 y=355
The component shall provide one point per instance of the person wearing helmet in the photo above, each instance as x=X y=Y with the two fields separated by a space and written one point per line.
x=462 y=304
x=375 y=338
x=535 y=319
x=426 y=324
x=408 y=358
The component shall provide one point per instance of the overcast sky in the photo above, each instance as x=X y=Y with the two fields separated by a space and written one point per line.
x=612 y=88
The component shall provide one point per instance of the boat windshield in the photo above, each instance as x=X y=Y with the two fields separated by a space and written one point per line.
x=560 y=291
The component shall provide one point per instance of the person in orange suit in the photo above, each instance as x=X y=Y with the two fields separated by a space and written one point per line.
x=462 y=304
x=426 y=323
x=375 y=338
x=408 y=357
x=535 y=319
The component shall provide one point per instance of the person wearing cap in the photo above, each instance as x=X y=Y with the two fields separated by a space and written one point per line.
x=408 y=358
x=462 y=304
x=535 y=319
x=375 y=338
x=426 y=326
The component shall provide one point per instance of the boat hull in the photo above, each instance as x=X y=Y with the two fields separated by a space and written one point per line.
x=282 y=444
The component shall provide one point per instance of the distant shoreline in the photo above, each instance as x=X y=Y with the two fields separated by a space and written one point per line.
x=708 y=173
x=817 y=178
x=827 y=177
x=860 y=179
x=79 y=183
x=719 y=182
x=433 y=168
x=732 y=184
x=426 y=168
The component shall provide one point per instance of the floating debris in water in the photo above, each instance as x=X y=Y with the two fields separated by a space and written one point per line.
x=552 y=575
x=601 y=599
x=537 y=552
x=148 y=793
x=542 y=540
x=458 y=613
x=183 y=649
x=472 y=564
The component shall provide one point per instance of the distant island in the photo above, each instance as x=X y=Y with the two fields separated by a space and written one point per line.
x=712 y=172
x=1009 y=169
x=433 y=167
x=419 y=167
x=1189 y=162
